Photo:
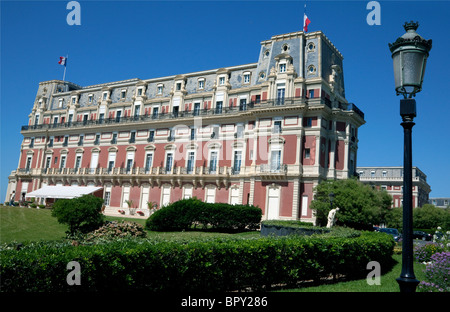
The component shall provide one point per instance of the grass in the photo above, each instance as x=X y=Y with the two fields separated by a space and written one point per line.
x=388 y=281
x=30 y=224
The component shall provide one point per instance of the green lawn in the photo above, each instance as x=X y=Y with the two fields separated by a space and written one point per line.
x=31 y=224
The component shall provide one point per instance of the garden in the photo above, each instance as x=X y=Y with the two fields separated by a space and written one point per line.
x=213 y=247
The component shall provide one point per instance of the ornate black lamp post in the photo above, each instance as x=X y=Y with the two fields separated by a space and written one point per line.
x=409 y=54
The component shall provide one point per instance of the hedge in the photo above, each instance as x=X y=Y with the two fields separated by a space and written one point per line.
x=186 y=213
x=210 y=265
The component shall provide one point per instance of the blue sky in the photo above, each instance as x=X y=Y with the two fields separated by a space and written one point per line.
x=120 y=40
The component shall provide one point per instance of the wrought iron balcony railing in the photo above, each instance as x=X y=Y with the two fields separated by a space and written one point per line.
x=252 y=106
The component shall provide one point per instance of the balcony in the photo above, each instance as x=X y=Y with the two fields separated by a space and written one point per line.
x=224 y=111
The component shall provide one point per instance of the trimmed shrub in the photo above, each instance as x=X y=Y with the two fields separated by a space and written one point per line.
x=82 y=214
x=187 y=213
x=207 y=265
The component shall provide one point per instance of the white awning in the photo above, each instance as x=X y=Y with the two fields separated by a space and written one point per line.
x=58 y=191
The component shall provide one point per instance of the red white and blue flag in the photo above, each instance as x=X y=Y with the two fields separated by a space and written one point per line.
x=62 y=60
x=306 y=22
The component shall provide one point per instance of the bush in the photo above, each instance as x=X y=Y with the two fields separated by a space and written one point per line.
x=82 y=214
x=423 y=253
x=186 y=213
x=437 y=273
x=209 y=265
x=113 y=230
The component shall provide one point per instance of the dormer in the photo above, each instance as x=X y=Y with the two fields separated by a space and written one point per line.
x=222 y=79
x=105 y=97
x=179 y=86
x=140 y=93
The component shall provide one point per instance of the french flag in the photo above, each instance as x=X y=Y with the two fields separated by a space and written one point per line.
x=306 y=22
x=62 y=60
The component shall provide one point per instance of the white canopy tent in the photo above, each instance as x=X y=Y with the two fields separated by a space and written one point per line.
x=58 y=191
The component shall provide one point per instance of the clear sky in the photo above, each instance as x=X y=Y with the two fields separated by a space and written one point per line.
x=120 y=40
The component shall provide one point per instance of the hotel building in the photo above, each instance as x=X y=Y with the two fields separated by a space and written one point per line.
x=390 y=179
x=264 y=133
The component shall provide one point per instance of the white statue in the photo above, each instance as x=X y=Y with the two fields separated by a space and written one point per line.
x=332 y=217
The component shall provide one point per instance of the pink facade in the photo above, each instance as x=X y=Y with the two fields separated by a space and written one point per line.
x=267 y=143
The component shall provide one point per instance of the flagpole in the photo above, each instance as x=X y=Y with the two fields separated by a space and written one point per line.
x=65 y=66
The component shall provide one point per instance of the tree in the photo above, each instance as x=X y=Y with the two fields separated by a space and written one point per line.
x=430 y=217
x=360 y=206
x=82 y=214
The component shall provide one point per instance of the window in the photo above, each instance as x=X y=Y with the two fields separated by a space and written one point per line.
x=90 y=98
x=283 y=68
x=28 y=165
x=201 y=84
x=215 y=133
x=307 y=153
x=277 y=126
x=66 y=140
x=101 y=117
x=111 y=161
x=243 y=104
x=219 y=105
x=114 y=138
x=280 y=95
x=47 y=161
x=130 y=159
x=151 y=136
x=384 y=174
x=372 y=174
x=155 y=112
x=221 y=81
x=237 y=162
x=311 y=69
x=105 y=96
x=196 y=109
x=148 y=162
x=190 y=163
x=77 y=163
x=169 y=161
x=311 y=93
x=85 y=119
x=55 y=121
x=107 y=198
x=192 y=133
x=80 y=142
x=246 y=78
x=60 y=103
x=118 y=116
x=50 y=143
x=160 y=89
x=123 y=93
x=132 y=137
x=178 y=86
x=70 y=119
x=175 y=110
x=213 y=162
x=171 y=136
x=275 y=161
x=63 y=162
x=97 y=139
x=239 y=131
x=139 y=92
x=31 y=143
x=210 y=194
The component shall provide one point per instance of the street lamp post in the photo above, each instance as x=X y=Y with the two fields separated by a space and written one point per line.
x=409 y=55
